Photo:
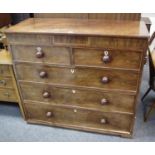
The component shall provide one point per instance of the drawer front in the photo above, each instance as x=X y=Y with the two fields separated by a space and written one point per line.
x=80 y=118
x=8 y=95
x=4 y=71
x=29 y=39
x=86 y=41
x=118 y=43
x=108 y=58
x=89 y=77
x=6 y=82
x=42 y=54
x=70 y=40
x=90 y=99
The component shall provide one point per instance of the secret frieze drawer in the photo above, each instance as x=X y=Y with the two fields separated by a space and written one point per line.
x=88 y=77
x=80 y=119
x=78 y=41
x=84 y=98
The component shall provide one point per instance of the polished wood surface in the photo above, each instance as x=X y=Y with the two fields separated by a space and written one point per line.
x=6 y=82
x=78 y=73
x=80 y=27
x=77 y=117
x=5 y=57
x=75 y=97
x=104 y=43
x=86 y=77
x=8 y=95
x=48 y=55
x=107 y=58
x=4 y=71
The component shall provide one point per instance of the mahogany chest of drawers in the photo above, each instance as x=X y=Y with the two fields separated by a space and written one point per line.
x=78 y=73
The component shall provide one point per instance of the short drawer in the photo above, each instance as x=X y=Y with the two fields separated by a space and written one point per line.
x=41 y=54
x=96 y=100
x=5 y=71
x=88 y=77
x=8 y=95
x=84 y=119
x=6 y=82
x=108 y=58
x=29 y=39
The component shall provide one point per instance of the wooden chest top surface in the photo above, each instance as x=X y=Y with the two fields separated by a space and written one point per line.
x=82 y=27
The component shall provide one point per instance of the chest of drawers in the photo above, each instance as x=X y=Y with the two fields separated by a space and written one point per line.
x=8 y=88
x=80 y=74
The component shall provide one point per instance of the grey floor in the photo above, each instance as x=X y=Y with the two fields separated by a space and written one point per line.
x=14 y=128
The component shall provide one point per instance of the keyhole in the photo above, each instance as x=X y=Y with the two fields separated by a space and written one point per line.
x=72 y=71
x=106 y=53
x=73 y=91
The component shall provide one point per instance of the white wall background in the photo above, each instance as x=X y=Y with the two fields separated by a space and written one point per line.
x=152 y=18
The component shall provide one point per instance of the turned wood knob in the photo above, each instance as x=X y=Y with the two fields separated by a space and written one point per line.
x=39 y=53
x=106 y=57
x=103 y=121
x=7 y=94
x=49 y=114
x=43 y=74
x=104 y=101
x=105 y=79
x=3 y=82
x=46 y=94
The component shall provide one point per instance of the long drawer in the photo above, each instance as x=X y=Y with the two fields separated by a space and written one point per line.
x=88 y=99
x=43 y=54
x=107 y=58
x=89 y=77
x=82 y=119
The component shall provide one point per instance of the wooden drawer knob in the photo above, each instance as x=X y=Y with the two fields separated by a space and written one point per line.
x=106 y=57
x=39 y=53
x=43 y=74
x=46 y=94
x=3 y=82
x=105 y=79
x=49 y=114
x=103 y=121
x=104 y=101
x=7 y=94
